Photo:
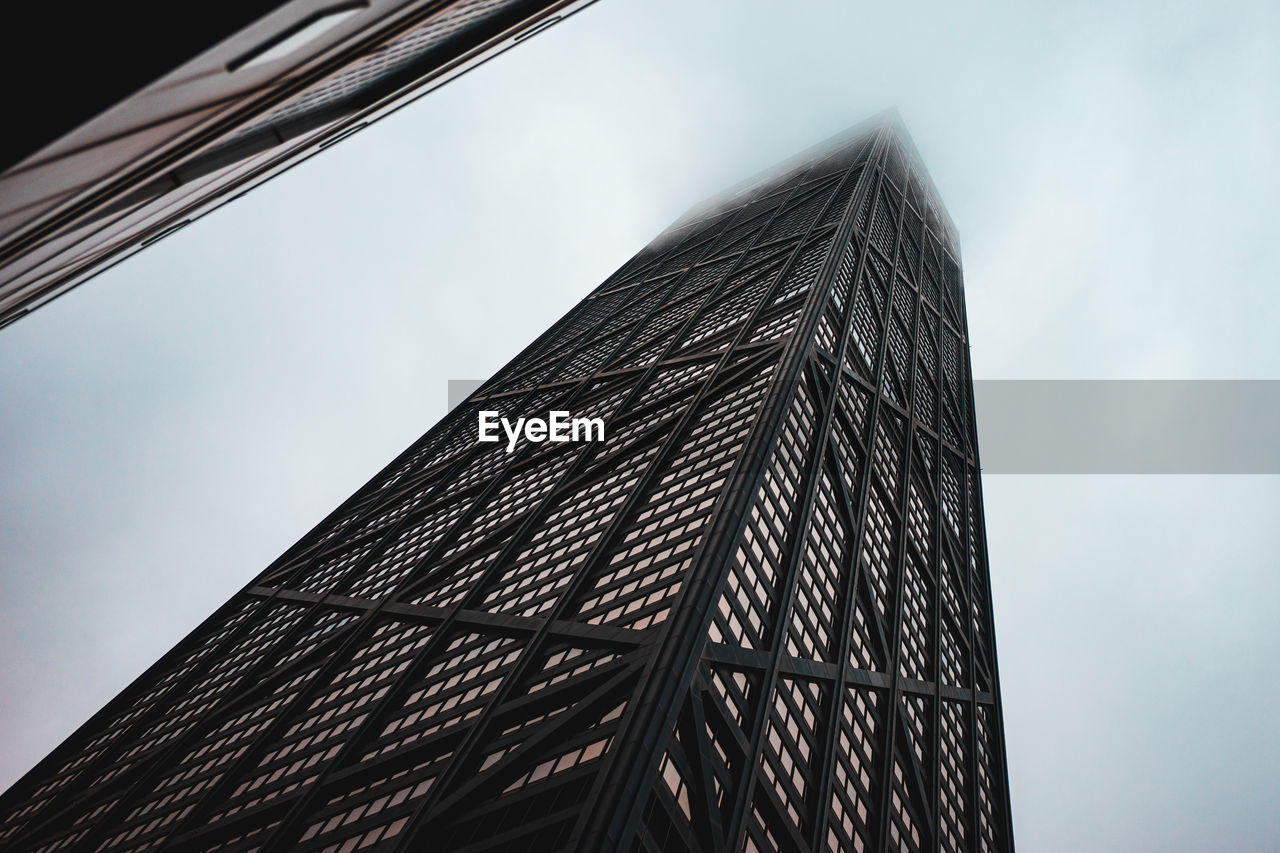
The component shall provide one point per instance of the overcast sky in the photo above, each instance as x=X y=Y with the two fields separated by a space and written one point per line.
x=171 y=427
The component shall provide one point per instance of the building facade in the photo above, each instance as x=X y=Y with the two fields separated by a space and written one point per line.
x=149 y=132
x=755 y=616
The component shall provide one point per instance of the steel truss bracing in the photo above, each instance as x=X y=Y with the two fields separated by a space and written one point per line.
x=755 y=617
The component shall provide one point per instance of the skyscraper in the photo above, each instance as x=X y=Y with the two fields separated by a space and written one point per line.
x=754 y=614
x=165 y=116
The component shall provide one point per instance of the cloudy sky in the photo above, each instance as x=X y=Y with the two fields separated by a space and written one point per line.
x=171 y=427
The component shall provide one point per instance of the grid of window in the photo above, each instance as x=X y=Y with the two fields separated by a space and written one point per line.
x=853 y=791
x=451 y=692
x=979 y=602
x=645 y=570
x=563 y=542
x=790 y=742
x=729 y=712
x=402 y=556
x=518 y=495
x=915 y=655
x=953 y=794
x=742 y=293
x=362 y=816
x=990 y=837
x=811 y=627
x=751 y=595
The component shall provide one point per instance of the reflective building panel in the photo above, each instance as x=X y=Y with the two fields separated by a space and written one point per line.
x=754 y=616
x=289 y=79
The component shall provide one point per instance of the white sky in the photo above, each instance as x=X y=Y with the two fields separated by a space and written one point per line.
x=171 y=427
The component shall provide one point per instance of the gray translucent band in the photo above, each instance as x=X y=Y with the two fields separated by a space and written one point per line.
x=461 y=389
x=1114 y=426
x=1174 y=426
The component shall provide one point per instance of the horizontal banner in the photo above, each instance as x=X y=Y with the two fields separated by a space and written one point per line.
x=1114 y=426
x=1128 y=426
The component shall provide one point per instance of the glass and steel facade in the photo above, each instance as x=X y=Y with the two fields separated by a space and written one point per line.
x=756 y=616
x=290 y=80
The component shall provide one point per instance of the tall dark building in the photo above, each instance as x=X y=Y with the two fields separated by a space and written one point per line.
x=163 y=112
x=755 y=616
